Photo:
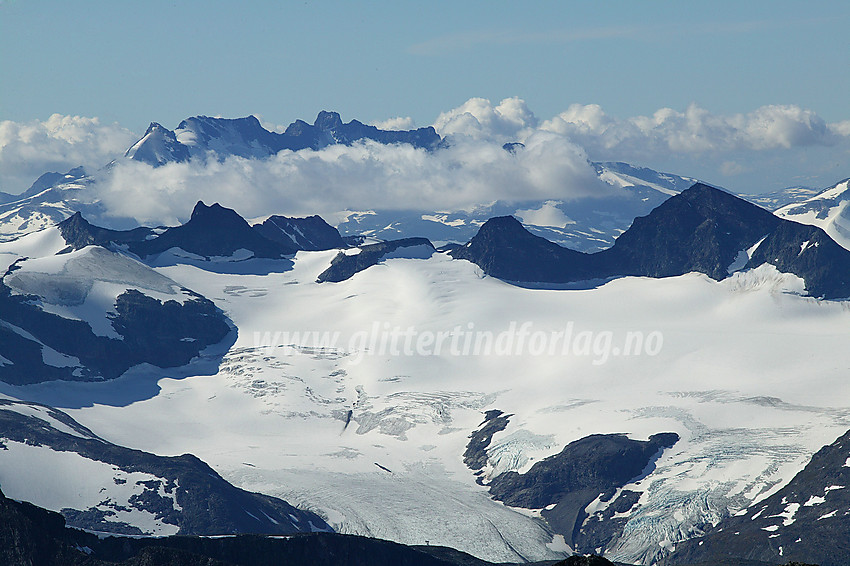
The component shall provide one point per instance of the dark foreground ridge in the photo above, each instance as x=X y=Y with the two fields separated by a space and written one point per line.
x=31 y=536
x=182 y=490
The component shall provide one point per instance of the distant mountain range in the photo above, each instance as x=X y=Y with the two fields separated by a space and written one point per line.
x=585 y=225
x=160 y=328
x=202 y=136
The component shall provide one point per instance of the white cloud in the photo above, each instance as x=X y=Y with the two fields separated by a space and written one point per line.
x=270 y=126
x=29 y=149
x=397 y=123
x=479 y=119
x=696 y=130
x=841 y=128
x=359 y=177
x=768 y=148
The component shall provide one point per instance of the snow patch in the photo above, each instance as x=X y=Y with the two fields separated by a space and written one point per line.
x=814 y=500
x=765 y=276
x=788 y=514
x=547 y=215
x=67 y=480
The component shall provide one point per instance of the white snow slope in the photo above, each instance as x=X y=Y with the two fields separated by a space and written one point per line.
x=828 y=210
x=751 y=375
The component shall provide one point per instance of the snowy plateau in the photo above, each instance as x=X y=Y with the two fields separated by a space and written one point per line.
x=295 y=407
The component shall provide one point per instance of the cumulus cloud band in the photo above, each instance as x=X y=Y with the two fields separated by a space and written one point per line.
x=60 y=143
x=769 y=145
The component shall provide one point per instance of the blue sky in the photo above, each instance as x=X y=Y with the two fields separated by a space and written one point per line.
x=133 y=63
x=164 y=61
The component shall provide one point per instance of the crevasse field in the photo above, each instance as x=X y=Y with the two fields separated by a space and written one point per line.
x=749 y=373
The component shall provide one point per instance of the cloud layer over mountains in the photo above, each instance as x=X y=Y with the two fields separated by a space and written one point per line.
x=28 y=149
x=360 y=177
x=768 y=148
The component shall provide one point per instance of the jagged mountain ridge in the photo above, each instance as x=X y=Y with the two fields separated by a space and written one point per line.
x=211 y=231
x=245 y=137
x=702 y=229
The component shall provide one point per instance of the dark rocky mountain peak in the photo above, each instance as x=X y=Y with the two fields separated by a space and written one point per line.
x=311 y=233
x=703 y=229
x=79 y=233
x=213 y=231
x=503 y=248
x=328 y=120
x=215 y=213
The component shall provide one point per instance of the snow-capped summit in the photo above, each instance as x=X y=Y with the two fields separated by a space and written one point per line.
x=243 y=137
x=622 y=174
x=200 y=136
x=52 y=198
x=157 y=147
x=828 y=210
